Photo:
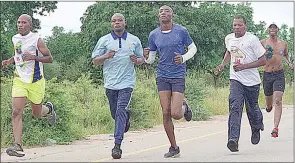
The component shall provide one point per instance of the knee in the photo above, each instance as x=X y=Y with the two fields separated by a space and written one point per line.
x=120 y=112
x=166 y=114
x=176 y=115
x=17 y=113
x=278 y=101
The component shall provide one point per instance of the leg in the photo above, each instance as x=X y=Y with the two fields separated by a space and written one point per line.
x=279 y=88
x=236 y=102
x=268 y=82
x=253 y=112
x=121 y=119
x=165 y=94
x=177 y=111
x=36 y=92
x=165 y=100
x=124 y=97
x=278 y=95
x=179 y=106
x=18 y=105
x=112 y=96
x=39 y=110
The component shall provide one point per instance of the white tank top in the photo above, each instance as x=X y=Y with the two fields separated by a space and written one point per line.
x=27 y=71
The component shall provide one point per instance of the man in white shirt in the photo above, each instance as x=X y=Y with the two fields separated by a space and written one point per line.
x=246 y=53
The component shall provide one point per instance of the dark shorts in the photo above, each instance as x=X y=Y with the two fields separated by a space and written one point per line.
x=171 y=84
x=273 y=81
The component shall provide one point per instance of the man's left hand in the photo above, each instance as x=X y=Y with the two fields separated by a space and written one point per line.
x=239 y=67
x=178 y=58
x=28 y=57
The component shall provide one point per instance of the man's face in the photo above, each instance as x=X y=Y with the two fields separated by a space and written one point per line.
x=23 y=25
x=118 y=23
x=165 y=14
x=273 y=30
x=239 y=27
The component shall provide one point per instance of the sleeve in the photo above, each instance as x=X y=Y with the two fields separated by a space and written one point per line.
x=226 y=43
x=99 y=49
x=257 y=47
x=151 y=42
x=187 y=40
x=138 y=49
x=38 y=37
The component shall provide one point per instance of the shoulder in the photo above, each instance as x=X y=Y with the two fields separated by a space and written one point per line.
x=283 y=42
x=252 y=37
x=17 y=36
x=154 y=32
x=229 y=36
x=130 y=35
x=180 y=28
x=106 y=37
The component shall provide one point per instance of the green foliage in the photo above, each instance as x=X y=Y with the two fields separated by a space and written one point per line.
x=82 y=109
x=11 y=10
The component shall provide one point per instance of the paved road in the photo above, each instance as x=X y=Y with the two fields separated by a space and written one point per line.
x=199 y=142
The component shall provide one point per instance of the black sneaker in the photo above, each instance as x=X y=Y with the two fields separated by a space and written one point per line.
x=173 y=152
x=128 y=121
x=116 y=153
x=233 y=145
x=255 y=137
x=15 y=150
x=188 y=112
x=268 y=109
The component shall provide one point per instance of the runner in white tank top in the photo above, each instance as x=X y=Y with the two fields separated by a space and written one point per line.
x=29 y=82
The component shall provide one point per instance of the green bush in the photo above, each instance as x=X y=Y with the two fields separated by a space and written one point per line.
x=82 y=109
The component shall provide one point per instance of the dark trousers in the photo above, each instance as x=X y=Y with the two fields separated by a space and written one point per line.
x=240 y=95
x=118 y=101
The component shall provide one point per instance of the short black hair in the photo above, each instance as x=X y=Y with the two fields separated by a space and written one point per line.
x=241 y=17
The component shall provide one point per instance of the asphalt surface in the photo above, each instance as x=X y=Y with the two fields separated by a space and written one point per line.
x=202 y=141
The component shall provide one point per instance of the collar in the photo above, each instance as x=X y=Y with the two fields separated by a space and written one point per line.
x=124 y=36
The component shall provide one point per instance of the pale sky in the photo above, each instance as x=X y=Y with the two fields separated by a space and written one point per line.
x=68 y=15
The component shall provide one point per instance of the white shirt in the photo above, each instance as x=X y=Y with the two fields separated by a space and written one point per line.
x=27 y=71
x=245 y=49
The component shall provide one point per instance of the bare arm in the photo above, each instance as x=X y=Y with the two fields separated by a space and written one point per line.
x=11 y=60
x=226 y=58
x=260 y=62
x=47 y=57
x=100 y=59
x=7 y=62
x=286 y=55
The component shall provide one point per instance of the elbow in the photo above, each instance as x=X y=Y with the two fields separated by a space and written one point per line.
x=263 y=61
x=50 y=59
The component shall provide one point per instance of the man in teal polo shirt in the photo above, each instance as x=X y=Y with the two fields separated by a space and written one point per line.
x=118 y=51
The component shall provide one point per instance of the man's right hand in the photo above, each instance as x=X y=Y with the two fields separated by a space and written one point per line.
x=220 y=68
x=146 y=52
x=110 y=54
x=5 y=63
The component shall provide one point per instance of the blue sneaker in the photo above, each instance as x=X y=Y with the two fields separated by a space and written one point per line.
x=188 y=112
x=52 y=116
x=15 y=150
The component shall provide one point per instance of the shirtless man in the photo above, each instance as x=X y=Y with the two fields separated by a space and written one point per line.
x=273 y=77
